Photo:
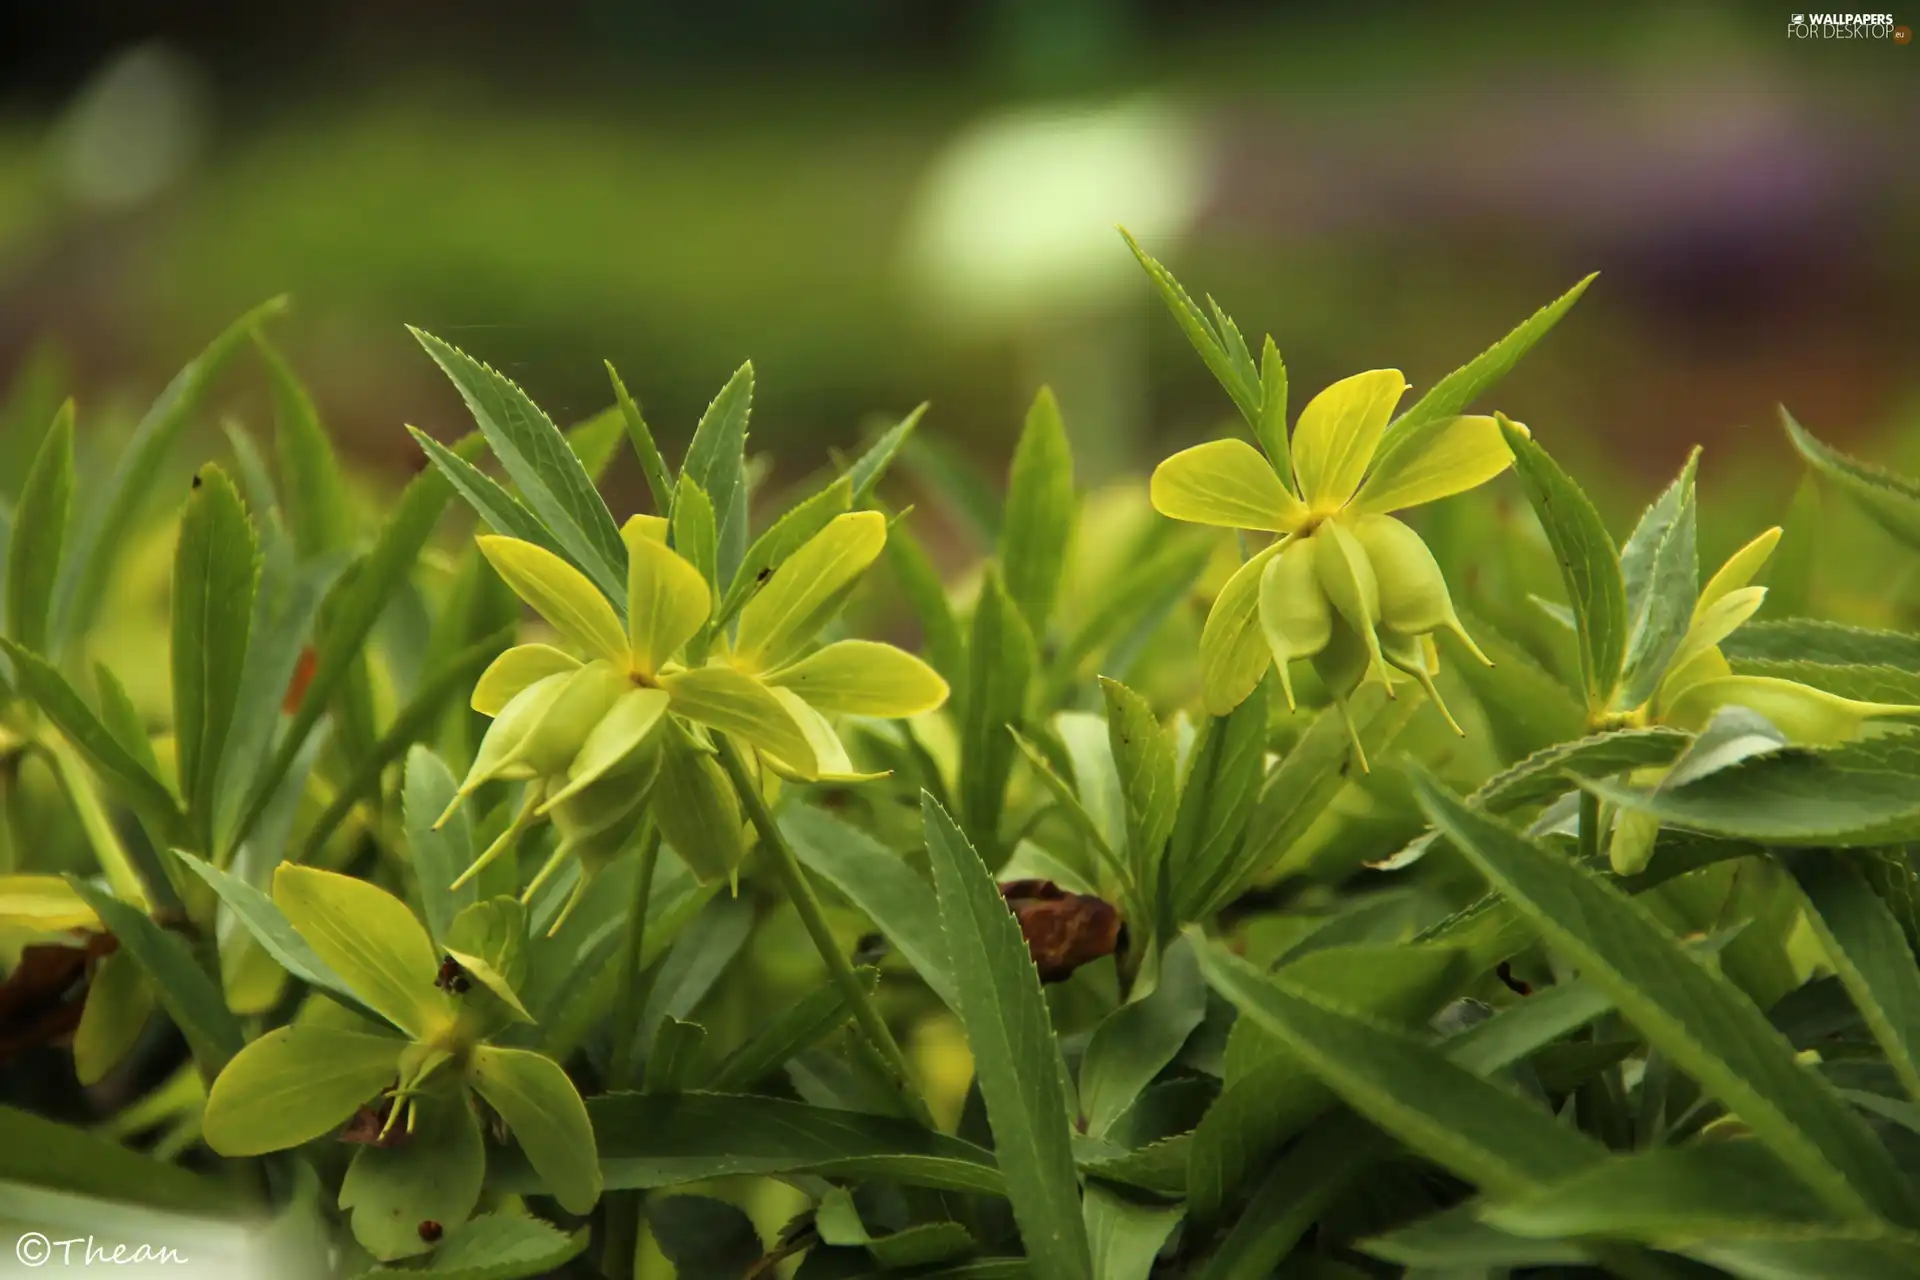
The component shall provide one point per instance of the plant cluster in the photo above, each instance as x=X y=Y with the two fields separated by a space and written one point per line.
x=1305 y=913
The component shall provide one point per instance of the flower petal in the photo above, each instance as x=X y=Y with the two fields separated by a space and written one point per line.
x=736 y=703
x=1445 y=457
x=618 y=735
x=513 y=671
x=864 y=678
x=559 y=593
x=1738 y=571
x=1226 y=483
x=807 y=589
x=370 y=938
x=831 y=762
x=43 y=904
x=1808 y=716
x=544 y=1111
x=1295 y=616
x=252 y=1106
x=1713 y=624
x=667 y=601
x=1345 y=572
x=1338 y=431
x=1233 y=650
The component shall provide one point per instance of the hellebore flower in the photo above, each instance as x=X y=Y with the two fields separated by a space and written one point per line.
x=423 y=1075
x=622 y=728
x=1345 y=585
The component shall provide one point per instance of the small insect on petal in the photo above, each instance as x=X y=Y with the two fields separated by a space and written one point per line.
x=431 y=1231
x=1063 y=930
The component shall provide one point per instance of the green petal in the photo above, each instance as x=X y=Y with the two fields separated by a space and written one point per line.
x=559 y=593
x=557 y=736
x=864 y=678
x=541 y=1106
x=1808 y=716
x=1338 y=431
x=807 y=589
x=434 y=1175
x=1295 y=615
x=499 y=748
x=1727 y=614
x=295 y=1084
x=370 y=938
x=1227 y=483
x=1233 y=650
x=619 y=734
x=736 y=703
x=1413 y=592
x=119 y=1001
x=831 y=762
x=43 y=904
x=1347 y=576
x=513 y=671
x=1429 y=463
x=695 y=805
x=667 y=600
x=1738 y=571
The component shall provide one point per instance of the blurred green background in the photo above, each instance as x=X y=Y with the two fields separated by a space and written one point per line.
x=881 y=203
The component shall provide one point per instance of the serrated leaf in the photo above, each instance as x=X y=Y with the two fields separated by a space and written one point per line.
x=188 y=995
x=1126 y=1235
x=1039 y=514
x=502 y=511
x=1001 y=662
x=499 y=1246
x=871 y=466
x=1464 y=385
x=548 y=473
x=440 y=853
x=1589 y=565
x=1148 y=788
x=797 y=1028
x=1891 y=501
x=1808 y=640
x=99 y=531
x=1136 y=1041
x=1218 y=794
x=1858 y=681
x=787 y=535
x=659 y=479
x=1545 y=774
x=215 y=571
x=1660 y=571
x=39 y=535
x=716 y=462
x=1243 y=390
x=1016 y=1060
x=269 y=926
x=1868 y=950
x=1692 y=1013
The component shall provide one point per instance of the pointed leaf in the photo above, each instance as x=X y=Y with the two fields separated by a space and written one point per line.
x=502 y=511
x=1145 y=759
x=1869 y=951
x=1889 y=500
x=39 y=535
x=1660 y=572
x=1001 y=662
x=313 y=493
x=659 y=478
x=1039 y=514
x=1244 y=391
x=868 y=469
x=215 y=569
x=716 y=462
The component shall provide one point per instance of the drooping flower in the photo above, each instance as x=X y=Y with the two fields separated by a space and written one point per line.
x=1344 y=585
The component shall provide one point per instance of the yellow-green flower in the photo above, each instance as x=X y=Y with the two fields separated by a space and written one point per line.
x=1344 y=585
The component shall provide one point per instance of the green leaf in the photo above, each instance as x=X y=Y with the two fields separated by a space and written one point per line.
x=1126 y=1235
x=1217 y=796
x=663 y=1140
x=1807 y=640
x=926 y=596
x=796 y=1028
x=215 y=569
x=433 y=1176
x=369 y=938
x=440 y=853
x=1464 y=385
x=1456 y=1241
x=44 y=1154
x=1889 y=500
x=49 y=690
x=659 y=478
x=705 y=1238
x=1000 y=667
x=1039 y=514
x=1271 y=428
x=1589 y=565
x=537 y=457
x=1692 y=1013
x=1135 y=1042
x=269 y=926
x=39 y=534
x=1862 y=793
x=1548 y=773
x=502 y=511
x=1296 y=1190
x=332 y=1072
x=595 y=440
x=878 y=882
x=498 y=1246
x=1816 y=1254
x=1441 y=1110
x=119 y=1002
x=313 y=490
x=716 y=462
x=1145 y=758
x=675 y=1060
x=1660 y=571
x=1130 y=608
x=693 y=533
x=868 y=469
x=544 y=1111
x=787 y=535
x=189 y=996
x=1869 y=951
x=1241 y=385
x=1016 y=1061
x=101 y=528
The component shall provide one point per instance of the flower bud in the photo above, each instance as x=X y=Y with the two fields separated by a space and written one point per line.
x=1294 y=612
x=1420 y=658
x=1342 y=667
x=556 y=737
x=1346 y=575
x=1808 y=716
x=1413 y=592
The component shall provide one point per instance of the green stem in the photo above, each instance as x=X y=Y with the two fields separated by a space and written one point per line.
x=1589 y=826
x=626 y=1004
x=807 y=904
x=152 y=891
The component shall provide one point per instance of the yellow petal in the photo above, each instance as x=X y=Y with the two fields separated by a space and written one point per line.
x=864 y=678
x=370 y=938
x=510 y=673
x=1233 y=650
x=557 y=735
x=43 y=904
x=1434 y=462
x=1808 y=716
x=1708 y=664
x=1713 y=624
x=559 y=593
x=806 y=589
x=1738 y=571
x=1227 y=483
x=650 y=528
x=735 y=703
x=619 y=734
x=667 y=601
x=496 y=757
x=1338 y=431
x=831 y=762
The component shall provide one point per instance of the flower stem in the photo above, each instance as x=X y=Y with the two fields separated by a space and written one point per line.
x=626 y=1004
x=807 y=904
